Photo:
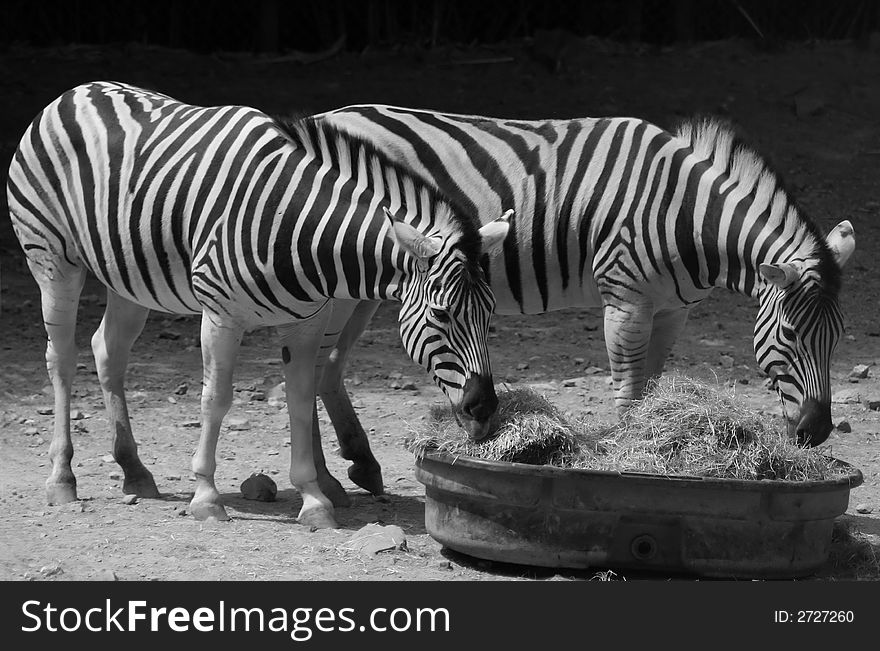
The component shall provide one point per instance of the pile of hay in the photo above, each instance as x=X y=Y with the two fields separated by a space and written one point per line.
x=530 y=430
x=681 y=427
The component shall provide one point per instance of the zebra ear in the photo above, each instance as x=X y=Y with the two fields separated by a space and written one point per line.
x=842 y=241
x=780 y=274
x=411 y=240
x=494 y=232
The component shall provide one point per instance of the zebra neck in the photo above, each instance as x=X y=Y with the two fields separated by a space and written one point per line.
x=747 y=229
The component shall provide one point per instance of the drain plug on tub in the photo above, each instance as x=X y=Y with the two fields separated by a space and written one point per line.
x=643 y=547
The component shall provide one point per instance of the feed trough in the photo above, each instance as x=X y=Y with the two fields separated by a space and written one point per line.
x=574 y=518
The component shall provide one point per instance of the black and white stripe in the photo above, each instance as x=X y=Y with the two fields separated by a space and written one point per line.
x=250 y=221
x=619 y=213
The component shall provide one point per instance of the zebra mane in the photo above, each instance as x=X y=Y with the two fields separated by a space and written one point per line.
x=307 y=132
x=718 y=141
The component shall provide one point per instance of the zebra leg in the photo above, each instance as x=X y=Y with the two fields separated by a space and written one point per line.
x=59 y=296
x=122 y=324
x=305 y=338
x=354 y=445
x=220 y=342
x=329 y=485
x=627 y=339
x=667 y=325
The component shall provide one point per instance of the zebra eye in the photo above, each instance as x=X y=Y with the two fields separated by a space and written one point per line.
x=440 y=314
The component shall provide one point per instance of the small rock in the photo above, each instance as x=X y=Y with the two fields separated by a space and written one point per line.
x=863 y=508
x=258 y=396
x=45 y=411
x=571 y=382
x=871 y=404
x=522 y=366
x=726 y=361
x=191 y=423
x=51 y=570
x=593 y=370
x=844 y=427
x=30 y=431
x=277 y=395
x=130 y=499
x=374 y=538
x=172 y=477
x=181 y=389
x=77 y=414
x=181 y=510
x=860 y=371
x=172 y=400
x=108 y=458
x=238 y=424
x=579 y=360
x=847 y=396
x=169 y=334
x=259 y=487
x=115 y=474
x=108 y=575
x=409 y=386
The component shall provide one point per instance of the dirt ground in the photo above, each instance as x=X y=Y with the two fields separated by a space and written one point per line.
x=812 y=108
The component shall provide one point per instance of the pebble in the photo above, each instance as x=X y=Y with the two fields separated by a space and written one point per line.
x=860 y=371
x=863 y=508
x=181 y=389
x=115 y=475
x=374 y=538
x=77 y=414
x=51 y=570
x=726 y=361
x=844 y=426
x=45 y=411
x=190 y=423
x=172 y=477
x=259 y=487
x=847 y=396
x=238 y=424
x=130 y=499
x=30 y=431
x=872 y=404
x=522 y=366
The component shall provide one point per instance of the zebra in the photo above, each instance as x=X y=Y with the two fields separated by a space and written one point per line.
x=249 y=221
x=618 y=213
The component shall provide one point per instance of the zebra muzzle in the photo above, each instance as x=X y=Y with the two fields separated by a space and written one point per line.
x=478 y=405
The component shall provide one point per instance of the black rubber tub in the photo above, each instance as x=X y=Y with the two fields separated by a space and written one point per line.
x=559 y=517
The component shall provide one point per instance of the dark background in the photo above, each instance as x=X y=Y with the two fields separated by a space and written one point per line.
x=313 y=25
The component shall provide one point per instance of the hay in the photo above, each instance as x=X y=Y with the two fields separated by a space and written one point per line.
x=530 y=430
x=853 y=554
x=681 y=427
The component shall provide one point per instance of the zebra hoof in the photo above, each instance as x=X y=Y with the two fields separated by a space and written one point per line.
x=208 y=511
x=368 y=476
x=317 y=517
x=140 y=482
x=60 y=492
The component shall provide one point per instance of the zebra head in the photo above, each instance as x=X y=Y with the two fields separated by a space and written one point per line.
x=799 y=324
x=444 y=318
